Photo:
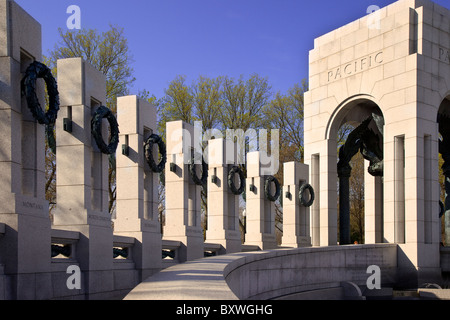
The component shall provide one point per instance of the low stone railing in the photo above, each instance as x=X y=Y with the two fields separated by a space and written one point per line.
x=170 y=252
x=64 y=244
x=284 y=272
x=270 y=274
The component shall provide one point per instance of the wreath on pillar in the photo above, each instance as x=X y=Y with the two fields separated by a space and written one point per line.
x=267 y=191
x=148 y=153
x=34 y=71
x=204 y=178
x=236 y=170
x=28 y=87
x=301 y=195
x=96 y=129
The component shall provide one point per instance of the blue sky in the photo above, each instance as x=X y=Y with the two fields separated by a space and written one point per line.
x=209 y=37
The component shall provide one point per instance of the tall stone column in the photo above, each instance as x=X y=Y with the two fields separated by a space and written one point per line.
x=223 y=204
x=373 y=207
x=137 y=184
x=183 y=199
x=82 y=174
x=296 y=217
x=344 y=206
x=260 y=212
x=25 y=246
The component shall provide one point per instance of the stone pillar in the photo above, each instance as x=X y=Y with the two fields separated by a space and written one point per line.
x=322 y=158
x=183 y=202
x=373 y=207
x=82 y=174
x=344 y=206
x=260 y=212
x=25 y=247
x=328 y=194
x=296 y=217
x=137 y=185
x=223 y=205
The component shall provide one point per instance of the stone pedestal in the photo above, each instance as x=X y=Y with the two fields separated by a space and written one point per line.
x=296 y=217
x=137 y=185
x=223 y=205
x=82 y=173
x=183 y=202
x=25 y=246
x=260 y=212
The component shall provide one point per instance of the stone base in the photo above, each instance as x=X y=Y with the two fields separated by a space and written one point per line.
x=94 y=254
x=412 y=278
x=146 y=252
x=264 y=241
x=25 y=247
x=192 y=244
x=296 y=242
x=27 y=286
x=230 y=240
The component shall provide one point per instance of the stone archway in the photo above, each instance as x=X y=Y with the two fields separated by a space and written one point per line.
x=405 y=72
x=366 y=138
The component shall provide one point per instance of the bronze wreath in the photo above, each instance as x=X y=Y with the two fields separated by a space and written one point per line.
x=34 y=71
x=198 y=181
x=301 y=195
x=148 y=152
x=267 y=190
x=96 y=129
x=231 y=184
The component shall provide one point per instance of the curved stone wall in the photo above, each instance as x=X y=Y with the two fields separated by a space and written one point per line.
x=269 y=274
x=283 y=272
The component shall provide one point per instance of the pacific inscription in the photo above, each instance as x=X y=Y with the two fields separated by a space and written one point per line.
x=356 y=66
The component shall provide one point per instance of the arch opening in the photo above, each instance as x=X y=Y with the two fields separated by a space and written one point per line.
x=357 y=128
x=443 y=120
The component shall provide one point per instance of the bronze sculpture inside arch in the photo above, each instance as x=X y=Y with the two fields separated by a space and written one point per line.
x=366 y=141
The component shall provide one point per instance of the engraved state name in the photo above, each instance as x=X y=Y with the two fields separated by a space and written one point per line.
x=356 y=66
x=32 y=205
x=444 y=55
